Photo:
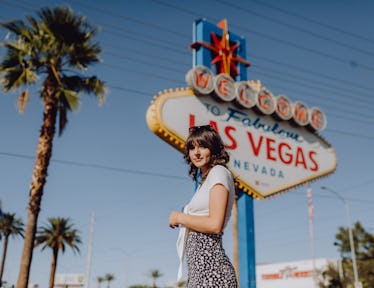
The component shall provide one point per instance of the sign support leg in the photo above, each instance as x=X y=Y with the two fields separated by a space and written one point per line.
x=246 y=231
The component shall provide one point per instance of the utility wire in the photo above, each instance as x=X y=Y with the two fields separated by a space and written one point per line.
x=132 y=32
x=313 y=21
x=310 y=72
x=97 y=166
x=153 y=174
x=166 y=78
x=274 y=39
x=294 y=27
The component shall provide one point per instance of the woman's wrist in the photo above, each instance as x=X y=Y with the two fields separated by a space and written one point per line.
x=180 y=218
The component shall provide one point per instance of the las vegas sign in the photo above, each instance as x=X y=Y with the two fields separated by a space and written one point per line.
x=273 y=143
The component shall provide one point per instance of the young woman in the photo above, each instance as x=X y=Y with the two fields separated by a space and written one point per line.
x=206 y=215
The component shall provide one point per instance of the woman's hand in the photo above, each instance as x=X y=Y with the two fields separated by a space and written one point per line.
x=173 y=219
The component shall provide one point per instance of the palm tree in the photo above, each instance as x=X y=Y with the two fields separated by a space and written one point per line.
x=56 y=48
x=109 y=277
x=155 y=274
x=9 y=225
x=56 y=235
x=99 y=280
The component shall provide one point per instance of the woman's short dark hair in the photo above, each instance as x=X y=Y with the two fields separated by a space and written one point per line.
x=205 y=136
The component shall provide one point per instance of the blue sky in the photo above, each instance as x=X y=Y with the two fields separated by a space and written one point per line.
x=108 y=163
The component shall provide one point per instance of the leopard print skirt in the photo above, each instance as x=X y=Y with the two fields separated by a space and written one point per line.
x=207 y=263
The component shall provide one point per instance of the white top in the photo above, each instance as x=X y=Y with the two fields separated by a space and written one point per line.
x=199 y=204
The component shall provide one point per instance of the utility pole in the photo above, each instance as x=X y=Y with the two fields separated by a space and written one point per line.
x=89 y=256
x=311 y=232
x=357 y=284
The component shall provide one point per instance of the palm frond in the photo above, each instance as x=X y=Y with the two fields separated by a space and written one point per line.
x=44 y=47
x=57 y=235
x=63 y=120
x=89 y=85
x=69 y=98
x=96 y=86
x=10 y=225
x=18 y=27
x=18 y=77
x=22 y=101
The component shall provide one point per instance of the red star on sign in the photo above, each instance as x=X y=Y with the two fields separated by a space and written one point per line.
x=225 y=57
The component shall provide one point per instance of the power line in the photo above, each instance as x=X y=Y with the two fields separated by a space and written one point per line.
x=169 y=79
x=319 y=74
x=97 y=166
x=132 y=32
x=294 y=27
x=153 y=174
x=128 y=18
x=184 y=36
x=275 y=39
x=320 y=85
x=310 y=20
x=308 y=85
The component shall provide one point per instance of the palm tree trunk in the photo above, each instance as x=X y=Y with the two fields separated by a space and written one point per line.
x=53 y=268
x=44 y=153
x=5 y=247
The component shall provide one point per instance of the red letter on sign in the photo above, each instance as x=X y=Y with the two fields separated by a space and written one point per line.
x=300 y=158
x=311 y=157
x=256 y=149
x=270 y=148
x=233 y=145
x=202 y=79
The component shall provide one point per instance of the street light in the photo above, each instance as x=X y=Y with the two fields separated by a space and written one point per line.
x=357 y=284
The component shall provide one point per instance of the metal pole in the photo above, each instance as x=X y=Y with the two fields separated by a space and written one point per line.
x=246 y=231
x=357 y=284
x=355 y=273
x=89 y=254
x=311 y=233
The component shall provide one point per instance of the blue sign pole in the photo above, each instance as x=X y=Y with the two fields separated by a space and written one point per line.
x=246 y=231
x=202 y=35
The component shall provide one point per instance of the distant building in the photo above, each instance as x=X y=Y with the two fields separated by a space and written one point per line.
x=297 y=274
x=69 y=280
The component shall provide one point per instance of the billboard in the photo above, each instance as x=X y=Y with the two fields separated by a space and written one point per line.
x=297 y=274
x=63 y=280
x=268 y=156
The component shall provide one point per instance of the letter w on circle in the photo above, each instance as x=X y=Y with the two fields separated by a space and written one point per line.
x=202 y=79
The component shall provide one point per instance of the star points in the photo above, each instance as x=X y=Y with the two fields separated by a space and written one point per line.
x=224 y=56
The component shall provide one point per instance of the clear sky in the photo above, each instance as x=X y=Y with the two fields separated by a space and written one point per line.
x=109 y=164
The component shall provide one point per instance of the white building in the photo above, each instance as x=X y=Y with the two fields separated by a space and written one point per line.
x=297 y=274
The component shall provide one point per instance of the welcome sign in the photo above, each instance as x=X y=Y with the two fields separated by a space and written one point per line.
x=273 y=143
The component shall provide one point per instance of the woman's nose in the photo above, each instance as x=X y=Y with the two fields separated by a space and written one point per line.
x=196 y=150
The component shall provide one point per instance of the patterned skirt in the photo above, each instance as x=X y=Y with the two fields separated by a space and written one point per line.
x=207 y=263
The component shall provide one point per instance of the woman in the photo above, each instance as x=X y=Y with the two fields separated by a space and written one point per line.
x=205 y=217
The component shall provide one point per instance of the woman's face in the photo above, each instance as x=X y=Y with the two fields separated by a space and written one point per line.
x=200 y=157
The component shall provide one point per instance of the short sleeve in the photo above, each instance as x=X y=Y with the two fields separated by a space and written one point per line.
x=220 y=175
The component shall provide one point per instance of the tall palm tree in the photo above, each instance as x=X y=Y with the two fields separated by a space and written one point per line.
x=100 y=280
x=155 y=274
x=56 y=235
x=56 y=48
x=9 y=225
x=109 y=277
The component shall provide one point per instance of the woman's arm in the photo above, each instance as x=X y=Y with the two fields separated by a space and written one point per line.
x=213 y=223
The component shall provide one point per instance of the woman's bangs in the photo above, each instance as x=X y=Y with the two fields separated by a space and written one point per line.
x=196 y=140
